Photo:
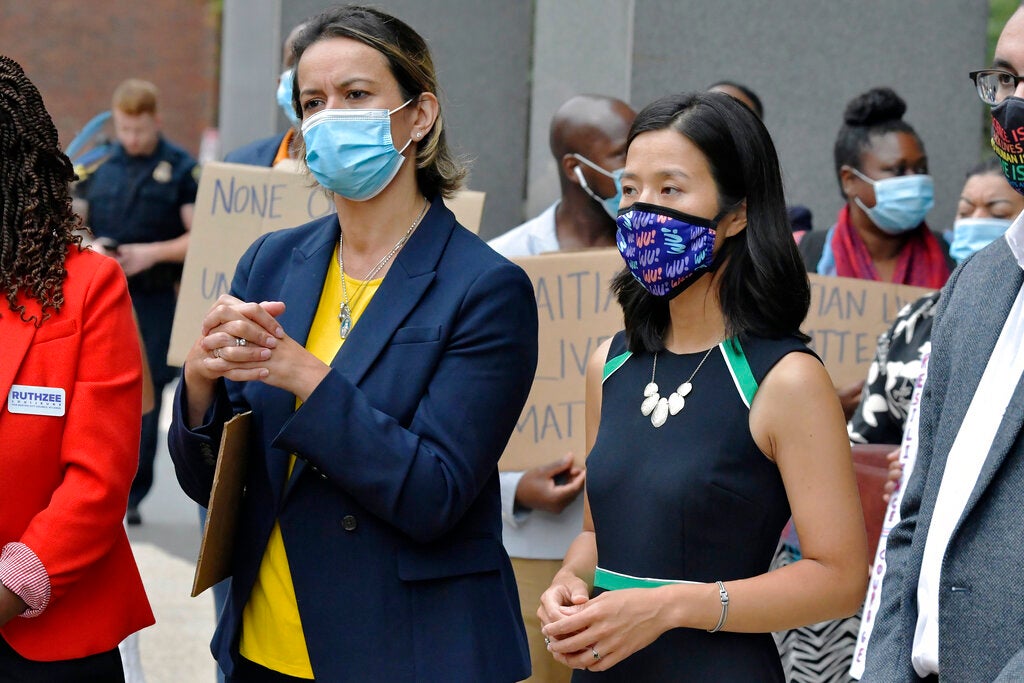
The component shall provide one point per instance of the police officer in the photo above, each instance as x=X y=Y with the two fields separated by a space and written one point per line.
x=140 y=204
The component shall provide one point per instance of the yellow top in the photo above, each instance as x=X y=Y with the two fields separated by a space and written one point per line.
x=271 y=628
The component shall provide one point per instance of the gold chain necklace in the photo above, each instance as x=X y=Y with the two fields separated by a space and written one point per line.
x=658 y=407
x=344 y=311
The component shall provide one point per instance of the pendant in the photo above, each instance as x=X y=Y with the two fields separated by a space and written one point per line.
x=677 y=399
x=660 y=413
x=345 y=316
x=659 y=408
x=652 y=400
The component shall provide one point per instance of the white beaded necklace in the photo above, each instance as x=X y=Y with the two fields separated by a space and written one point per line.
x=344 y=311
x=660 y=408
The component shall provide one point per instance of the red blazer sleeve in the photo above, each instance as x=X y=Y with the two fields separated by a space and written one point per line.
x=100 y=444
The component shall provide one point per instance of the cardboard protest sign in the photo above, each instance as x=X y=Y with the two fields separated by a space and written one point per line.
x=468 y=207
x=577 y=312
x=846 y=317
x=218 y=545
x=235 y=205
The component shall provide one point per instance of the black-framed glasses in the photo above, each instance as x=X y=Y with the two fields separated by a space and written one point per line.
x=995 y=85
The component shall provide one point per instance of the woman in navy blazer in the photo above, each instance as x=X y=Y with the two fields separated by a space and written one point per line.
x=389 y=512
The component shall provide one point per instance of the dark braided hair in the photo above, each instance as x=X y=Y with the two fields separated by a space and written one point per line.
x=38 y=223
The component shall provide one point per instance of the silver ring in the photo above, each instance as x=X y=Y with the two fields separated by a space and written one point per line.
x=241 y=341
x=597 y=655
x=216 y=352
x=547 y=641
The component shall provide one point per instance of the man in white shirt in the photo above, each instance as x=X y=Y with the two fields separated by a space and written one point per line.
x=588 y=140
x=542 y=510
x=953 y=598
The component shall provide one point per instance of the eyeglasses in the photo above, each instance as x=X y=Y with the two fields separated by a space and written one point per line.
x=995 y=85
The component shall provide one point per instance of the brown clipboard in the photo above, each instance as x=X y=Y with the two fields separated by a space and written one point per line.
x=214 y=563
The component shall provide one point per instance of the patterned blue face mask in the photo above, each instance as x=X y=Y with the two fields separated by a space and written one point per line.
x=284 y=95
x=350 y=151
x=665 y=250
x=609 y=204
x=974 y=234
x=901 y=203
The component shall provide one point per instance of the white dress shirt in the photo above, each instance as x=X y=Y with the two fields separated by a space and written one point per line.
x=966 y=458
x=536 y=236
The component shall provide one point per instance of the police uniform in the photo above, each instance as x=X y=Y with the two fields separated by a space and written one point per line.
x=138 y=199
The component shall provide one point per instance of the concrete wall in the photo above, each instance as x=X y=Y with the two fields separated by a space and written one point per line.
x=506 y=65
x=249 y=66
x=807 y=58
x=573 y=56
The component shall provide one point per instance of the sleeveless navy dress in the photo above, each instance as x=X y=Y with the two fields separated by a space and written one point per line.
x=693 y=500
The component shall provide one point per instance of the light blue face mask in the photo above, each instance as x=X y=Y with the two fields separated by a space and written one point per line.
x=350 y=151
x=609 y=204
x=974 y=234
x=901 y=203
x=284 y=95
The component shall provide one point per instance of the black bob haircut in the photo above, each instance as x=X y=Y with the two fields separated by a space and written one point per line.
x=763 y=287
x=750 y=94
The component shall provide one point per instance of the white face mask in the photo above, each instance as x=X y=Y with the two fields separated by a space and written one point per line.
x=901 y=203
x=284 y=95
x=609 y=204
x=974 y=234
x=350 y=152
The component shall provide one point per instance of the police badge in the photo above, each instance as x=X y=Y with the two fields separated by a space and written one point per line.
x=162 y=172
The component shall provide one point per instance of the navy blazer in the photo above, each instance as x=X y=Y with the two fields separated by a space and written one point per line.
x=391 y=518
x=260 y=152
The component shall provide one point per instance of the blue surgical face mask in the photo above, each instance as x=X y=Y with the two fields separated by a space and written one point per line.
x=284 y=95
x=609 y=204
x=901 y=203
x=665 y=250
x=350 y=151
x=974 y=234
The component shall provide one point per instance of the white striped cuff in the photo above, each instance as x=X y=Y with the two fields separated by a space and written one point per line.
x=23 y=574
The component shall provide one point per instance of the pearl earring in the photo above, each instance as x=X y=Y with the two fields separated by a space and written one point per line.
x=418 y=135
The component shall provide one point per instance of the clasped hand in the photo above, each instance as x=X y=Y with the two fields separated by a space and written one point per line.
x=243 y=341
x=598 y=633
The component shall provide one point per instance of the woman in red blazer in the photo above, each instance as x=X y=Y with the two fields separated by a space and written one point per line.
x=71 y=386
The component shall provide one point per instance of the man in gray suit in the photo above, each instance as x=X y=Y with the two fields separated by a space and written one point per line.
x=953 y=597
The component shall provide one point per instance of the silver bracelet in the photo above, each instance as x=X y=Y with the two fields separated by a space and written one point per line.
x=723 y=595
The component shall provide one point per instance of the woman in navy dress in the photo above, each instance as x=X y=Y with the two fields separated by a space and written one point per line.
x=708 y=423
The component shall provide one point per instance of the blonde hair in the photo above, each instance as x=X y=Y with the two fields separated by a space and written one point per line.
x=135 y=96
x=438 y=171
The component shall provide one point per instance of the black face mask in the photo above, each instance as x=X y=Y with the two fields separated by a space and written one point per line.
x=1008 y=139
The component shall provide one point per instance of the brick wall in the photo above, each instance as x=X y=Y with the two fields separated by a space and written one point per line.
x=76 y=52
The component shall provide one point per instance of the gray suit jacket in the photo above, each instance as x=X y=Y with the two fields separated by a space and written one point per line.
x=981 y=599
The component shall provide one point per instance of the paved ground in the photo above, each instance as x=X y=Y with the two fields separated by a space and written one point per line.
x=176 y=649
